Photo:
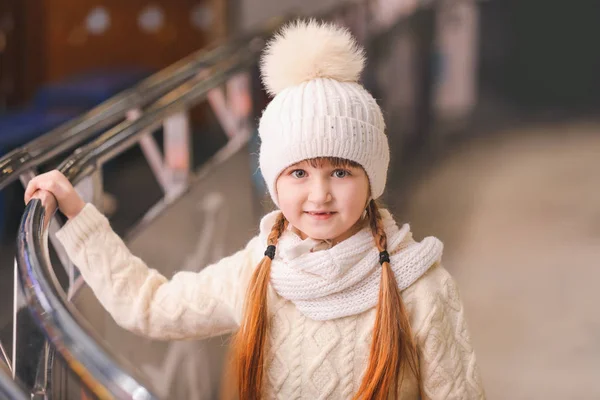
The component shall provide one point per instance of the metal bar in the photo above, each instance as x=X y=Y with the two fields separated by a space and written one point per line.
x=152 y=153
x=113 y=142
x=177 y=139
x=41 y=384
x=98 y=189
x=17 y=304
x=4 y=358
x=10 y=389
x=155 y=160
x=216 y=99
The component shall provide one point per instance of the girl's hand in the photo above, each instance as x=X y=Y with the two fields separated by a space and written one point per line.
x=69 y=201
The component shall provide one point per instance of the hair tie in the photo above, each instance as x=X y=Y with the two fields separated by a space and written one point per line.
x=384 y=257
x=270 y=252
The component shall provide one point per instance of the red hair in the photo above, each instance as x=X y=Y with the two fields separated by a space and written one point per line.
x=393 y=350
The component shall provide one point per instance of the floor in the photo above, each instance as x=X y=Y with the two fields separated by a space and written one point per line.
x=520 y=218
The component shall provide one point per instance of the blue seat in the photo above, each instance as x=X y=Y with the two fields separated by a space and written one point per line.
x=88 y=89
x=19 y=127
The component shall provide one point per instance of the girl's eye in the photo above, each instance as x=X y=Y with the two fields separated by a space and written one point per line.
x=299 y=173
x=341 y=173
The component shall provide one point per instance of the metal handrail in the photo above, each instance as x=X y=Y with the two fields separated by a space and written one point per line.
x=87 y=158
x=10 y=389
x=101 y=370
x=80 y=129
x=65 y=328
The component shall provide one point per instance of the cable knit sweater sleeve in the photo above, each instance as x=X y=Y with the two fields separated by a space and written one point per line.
x=447 y=359
x=140 y=299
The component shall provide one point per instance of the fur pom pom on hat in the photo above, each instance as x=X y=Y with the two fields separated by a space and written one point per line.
x=307 y=50
x=319 y=108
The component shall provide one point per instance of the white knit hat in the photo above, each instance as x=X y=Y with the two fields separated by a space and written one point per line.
x=319 y=108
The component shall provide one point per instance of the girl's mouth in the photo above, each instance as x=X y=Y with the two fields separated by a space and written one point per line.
x=320 y=215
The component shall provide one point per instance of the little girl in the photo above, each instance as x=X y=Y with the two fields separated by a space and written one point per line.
x=332 y=299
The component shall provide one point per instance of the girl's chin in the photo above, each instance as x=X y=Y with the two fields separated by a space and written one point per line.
x=320 y=234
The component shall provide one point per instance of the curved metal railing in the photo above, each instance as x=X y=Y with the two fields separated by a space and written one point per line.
x=100 y=370
x=93 y=362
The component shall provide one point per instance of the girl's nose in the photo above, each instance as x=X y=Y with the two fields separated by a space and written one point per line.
x=319 y=193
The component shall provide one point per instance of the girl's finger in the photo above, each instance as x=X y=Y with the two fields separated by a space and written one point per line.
x=51 y=186
x=32 y=187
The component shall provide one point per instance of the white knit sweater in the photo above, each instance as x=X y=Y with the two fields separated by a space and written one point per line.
x=306 y=359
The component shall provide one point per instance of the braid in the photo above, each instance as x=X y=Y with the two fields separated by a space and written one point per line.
x=249 y=342
x=392 y=347
x=278 y=228
x=376 y=225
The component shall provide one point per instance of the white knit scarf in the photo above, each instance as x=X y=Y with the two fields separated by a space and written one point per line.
x=344 y=280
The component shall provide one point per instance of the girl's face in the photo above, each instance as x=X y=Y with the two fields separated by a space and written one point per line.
x=323 y=200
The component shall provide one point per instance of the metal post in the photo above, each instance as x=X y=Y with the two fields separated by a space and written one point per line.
x=4 y=357
x=152 y=153
x=177 y=141
x=42 y=383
